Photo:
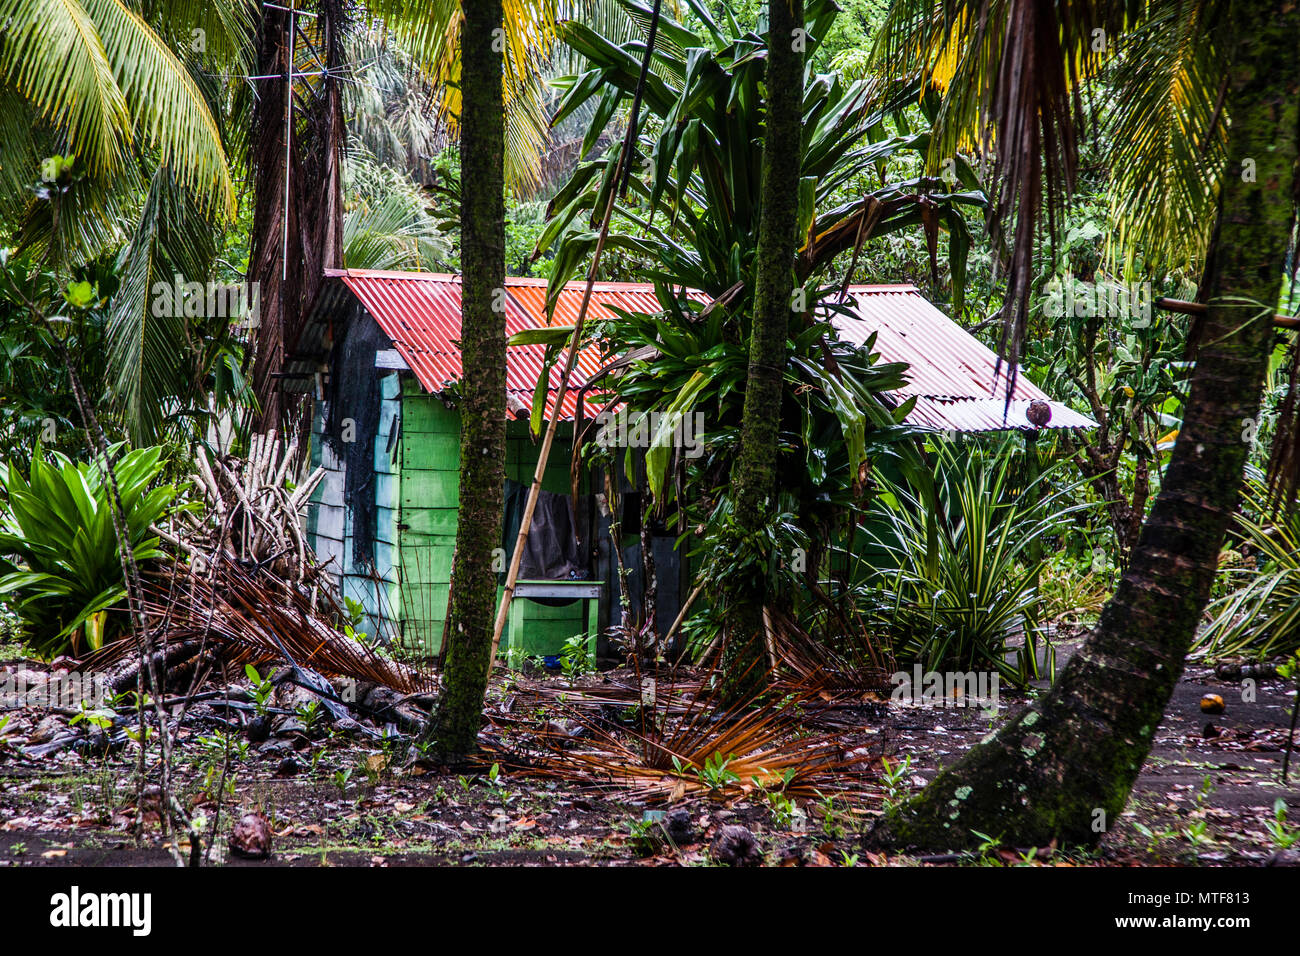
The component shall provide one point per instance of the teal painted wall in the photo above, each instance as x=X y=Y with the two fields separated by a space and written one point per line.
x=330 y=523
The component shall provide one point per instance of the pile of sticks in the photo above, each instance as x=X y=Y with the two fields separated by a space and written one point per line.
x=251 y=518
x=244 y=587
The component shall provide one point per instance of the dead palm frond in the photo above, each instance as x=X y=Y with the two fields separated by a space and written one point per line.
x=248 y=589
x=674 y=754
x=1010 y=75
x=236 y=616
x=852 y=669
x=673 y=697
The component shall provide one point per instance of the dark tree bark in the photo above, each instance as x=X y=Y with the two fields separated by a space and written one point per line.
x=1063 y=768
x=458 y=714
x=756 y=464
x=315 y=200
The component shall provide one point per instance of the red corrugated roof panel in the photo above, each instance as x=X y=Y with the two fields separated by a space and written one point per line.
x=420 y=312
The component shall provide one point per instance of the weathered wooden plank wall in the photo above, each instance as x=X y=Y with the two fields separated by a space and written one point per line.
x=429 y=482
x=329 y=519
x=416 y=480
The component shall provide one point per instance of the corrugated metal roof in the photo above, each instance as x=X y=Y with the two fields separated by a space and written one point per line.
x=420 y=312
x=950 y=371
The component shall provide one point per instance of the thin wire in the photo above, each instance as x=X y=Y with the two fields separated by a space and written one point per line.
x=288 y=140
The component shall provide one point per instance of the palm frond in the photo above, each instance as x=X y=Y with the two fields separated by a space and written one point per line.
x=218 y=30
x=168 y=110
x=54 y=56
x=152 y=350
x=1169 y=139
x=430 y=32
x=386 y=225
x=1260 y=616
x=1009 y=75
x=102 y=206
x=18 y=154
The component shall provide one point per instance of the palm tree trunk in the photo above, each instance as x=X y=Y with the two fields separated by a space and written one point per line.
x=1063 y=768
x=756 y=464
x=456 y=718
x=279 y=288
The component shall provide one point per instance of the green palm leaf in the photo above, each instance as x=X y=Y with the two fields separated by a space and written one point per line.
x=430 y=31
x=151 y=350
x=54 y=56
x=1169 y=139
x=97 y=73
x=168 y=110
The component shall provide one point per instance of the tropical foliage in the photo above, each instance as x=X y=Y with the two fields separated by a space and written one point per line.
x=1007 y=157
x=972 y=602
x=109 y=85
x=1260 y=615
x=65 y=572
x=702 y=158
x=704 y=102
x=698 y=155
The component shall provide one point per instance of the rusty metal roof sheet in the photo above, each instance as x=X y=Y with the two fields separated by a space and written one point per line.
x=950 y=373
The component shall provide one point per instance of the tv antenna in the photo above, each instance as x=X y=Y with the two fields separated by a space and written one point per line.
x=290 y=74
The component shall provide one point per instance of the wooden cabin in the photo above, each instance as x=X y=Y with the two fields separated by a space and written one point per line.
x=380 y=356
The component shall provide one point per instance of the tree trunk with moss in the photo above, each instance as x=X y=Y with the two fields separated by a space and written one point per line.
x=755 y=471
x=1063 y=769
x=458 y=714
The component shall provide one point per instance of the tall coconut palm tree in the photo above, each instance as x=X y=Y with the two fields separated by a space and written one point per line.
x=755 y=472
x=98 y=79
x=454 y=724
x=1064 y=767
x=129 y=97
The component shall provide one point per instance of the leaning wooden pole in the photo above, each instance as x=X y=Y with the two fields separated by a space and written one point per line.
x=534 y=491
x=571 y=354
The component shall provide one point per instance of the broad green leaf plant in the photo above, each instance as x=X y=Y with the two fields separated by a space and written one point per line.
x=63 y=572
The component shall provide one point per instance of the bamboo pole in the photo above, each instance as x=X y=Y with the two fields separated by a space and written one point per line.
x=571 y=354
x=534 y=490
x=681 y=615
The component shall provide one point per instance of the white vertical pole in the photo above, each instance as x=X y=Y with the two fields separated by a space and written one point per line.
x=288 y=138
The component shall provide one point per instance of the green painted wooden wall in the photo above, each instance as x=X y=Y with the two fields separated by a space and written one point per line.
x=428 y=482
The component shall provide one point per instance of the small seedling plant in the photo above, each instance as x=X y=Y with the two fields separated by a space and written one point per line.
x=263 y=688
x=1284 y=835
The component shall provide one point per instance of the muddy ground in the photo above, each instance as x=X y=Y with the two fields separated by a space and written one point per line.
x=1205 y=797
